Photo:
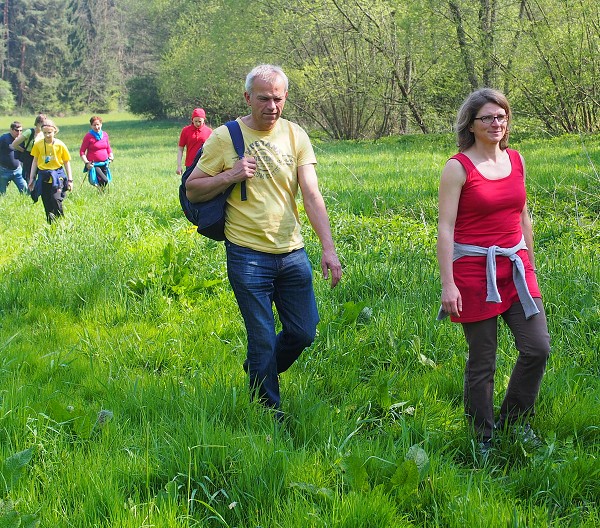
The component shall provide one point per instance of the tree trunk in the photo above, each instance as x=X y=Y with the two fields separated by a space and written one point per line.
x=463 y=45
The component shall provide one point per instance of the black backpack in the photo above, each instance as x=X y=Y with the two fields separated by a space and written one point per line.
x=210 y=216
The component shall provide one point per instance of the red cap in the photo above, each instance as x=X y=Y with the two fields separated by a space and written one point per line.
x=198 y=112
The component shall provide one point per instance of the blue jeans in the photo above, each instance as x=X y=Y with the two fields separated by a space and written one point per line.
x=260 y=280
x=16 y=175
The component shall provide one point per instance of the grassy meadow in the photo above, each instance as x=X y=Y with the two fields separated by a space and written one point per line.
x=123 y=402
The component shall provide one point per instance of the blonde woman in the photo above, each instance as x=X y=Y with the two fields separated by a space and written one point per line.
x=51 y=164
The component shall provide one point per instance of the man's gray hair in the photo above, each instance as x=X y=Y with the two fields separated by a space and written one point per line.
x=266 y=72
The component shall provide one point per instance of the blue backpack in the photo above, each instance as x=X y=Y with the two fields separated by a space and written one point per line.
x=210 y=216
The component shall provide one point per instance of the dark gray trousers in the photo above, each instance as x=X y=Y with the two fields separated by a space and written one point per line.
x=533 y=344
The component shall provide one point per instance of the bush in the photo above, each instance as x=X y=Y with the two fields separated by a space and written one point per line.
x=143 y=97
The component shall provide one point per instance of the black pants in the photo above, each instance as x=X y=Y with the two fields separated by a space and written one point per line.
x=52 y=198
x=101 y=176
x=533 y=343
x=26 y=161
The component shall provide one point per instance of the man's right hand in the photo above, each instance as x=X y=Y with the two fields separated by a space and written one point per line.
x=200 y=187
x=243 y=169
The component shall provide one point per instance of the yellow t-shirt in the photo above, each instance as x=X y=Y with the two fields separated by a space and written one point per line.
x=268 y=220
x=50 y=156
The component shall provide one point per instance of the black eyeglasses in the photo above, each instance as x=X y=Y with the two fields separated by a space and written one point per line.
x=17 y=129
x=489 y=119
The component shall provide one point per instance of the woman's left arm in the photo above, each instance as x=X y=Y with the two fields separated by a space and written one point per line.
x=527 y=229
x=526 y=226
x=109 y=149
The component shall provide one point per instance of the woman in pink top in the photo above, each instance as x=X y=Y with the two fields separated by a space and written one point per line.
x=96 y=153
x=487 y=267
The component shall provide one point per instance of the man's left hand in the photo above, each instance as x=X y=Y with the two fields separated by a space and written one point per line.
x=331 y=263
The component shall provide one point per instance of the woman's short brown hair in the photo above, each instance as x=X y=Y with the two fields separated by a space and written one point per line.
x=468 y=111
x=95 y=118
x=39 y=119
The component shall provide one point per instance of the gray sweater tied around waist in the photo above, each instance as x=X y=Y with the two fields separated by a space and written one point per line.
x=493 y=295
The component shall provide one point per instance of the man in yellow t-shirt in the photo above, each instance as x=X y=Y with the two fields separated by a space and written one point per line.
x=266 y=261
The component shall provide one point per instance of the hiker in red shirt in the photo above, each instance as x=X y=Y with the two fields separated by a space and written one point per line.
x=192 y=138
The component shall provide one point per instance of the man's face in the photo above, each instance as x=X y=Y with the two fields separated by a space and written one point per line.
x=266 y=100
x=198 y=121
x=15 y=131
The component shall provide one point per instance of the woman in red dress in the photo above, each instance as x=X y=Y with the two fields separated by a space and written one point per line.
x=487 y=267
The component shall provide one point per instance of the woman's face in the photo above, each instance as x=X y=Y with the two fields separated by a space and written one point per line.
x=48 y=132
x=97 y=125
x=494 y=129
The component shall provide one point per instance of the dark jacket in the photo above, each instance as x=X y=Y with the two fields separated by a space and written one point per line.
x=7 y=154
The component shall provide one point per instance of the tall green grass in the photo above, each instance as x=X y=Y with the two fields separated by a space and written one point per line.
x=122 y=397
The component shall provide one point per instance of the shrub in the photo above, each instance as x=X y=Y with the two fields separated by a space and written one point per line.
x=143 y=97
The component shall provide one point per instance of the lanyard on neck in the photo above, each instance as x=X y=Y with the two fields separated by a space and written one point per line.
x=46 y=157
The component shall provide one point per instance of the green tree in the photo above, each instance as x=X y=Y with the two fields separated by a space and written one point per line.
x=143 y=96
x=96 y=46
x=338 y=80
x=7 y=98
x=390 y=29
x=357 y=68
x=208 y=55
x=38 y=54
x=558 y=67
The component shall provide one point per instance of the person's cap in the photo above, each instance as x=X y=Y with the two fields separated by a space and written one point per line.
x=198 y=112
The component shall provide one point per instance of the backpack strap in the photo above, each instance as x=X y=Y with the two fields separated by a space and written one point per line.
x=30 y=140
x=238 y=144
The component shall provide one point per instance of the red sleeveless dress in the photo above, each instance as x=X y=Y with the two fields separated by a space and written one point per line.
x=489 y=214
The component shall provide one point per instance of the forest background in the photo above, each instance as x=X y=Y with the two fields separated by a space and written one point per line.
x=358 y=68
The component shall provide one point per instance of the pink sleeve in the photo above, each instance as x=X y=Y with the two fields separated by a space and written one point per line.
x=108 y=148
x=84 y=144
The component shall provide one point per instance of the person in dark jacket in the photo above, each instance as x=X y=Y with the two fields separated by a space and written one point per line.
x=24 y=142
x=10 y=166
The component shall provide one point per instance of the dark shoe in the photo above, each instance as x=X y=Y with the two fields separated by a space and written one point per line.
x=484 y=449
x=526 y=435
x=279 y=416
